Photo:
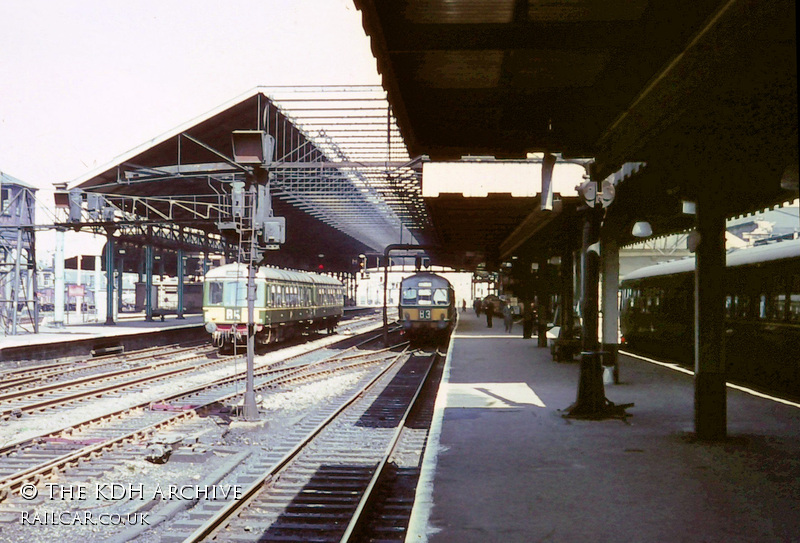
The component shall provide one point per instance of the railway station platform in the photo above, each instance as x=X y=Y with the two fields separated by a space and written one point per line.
x=503 y=465
x=131 y=331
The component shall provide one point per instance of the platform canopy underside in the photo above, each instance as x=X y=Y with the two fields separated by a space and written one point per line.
x=693 y=89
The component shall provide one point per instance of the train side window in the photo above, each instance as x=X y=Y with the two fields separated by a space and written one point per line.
x=741 y=306
x=794 y=299
x=215 y=293
x=794 y=307
x=730 y=308
x=777 y=300
x=777 y=306
x=762 y=307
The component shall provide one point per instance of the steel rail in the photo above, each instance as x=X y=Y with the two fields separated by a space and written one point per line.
x=367 y=497
x=52 y=465
x=84 y=394
x=214 y=523
x=36 y=473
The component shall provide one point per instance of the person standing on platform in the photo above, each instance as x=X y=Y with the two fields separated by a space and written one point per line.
x=489 y=310
x=527 y=319
x=508 y=317
x=477 y=306
x=463 y=305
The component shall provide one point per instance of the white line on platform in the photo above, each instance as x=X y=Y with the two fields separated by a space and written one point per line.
x=730 y=385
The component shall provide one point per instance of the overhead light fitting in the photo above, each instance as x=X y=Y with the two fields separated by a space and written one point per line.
x=642 y=229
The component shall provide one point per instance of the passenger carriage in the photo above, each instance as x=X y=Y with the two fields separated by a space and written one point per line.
x=287 y=303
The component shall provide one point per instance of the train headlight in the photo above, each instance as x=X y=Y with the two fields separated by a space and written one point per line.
x=211 y=327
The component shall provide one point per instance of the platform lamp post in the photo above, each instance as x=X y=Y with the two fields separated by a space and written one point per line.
x=591 y=402
x=256 y=148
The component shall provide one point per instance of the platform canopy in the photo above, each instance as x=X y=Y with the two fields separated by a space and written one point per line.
x=690 y=88
x=340 y=174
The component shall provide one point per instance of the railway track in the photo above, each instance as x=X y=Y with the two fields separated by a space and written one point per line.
x=59 y=393
x=88 y=451
x=17 y=379
x=29 y=461
x=321 y=489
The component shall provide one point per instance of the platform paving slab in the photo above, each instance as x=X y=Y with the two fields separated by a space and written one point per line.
x=503 y=464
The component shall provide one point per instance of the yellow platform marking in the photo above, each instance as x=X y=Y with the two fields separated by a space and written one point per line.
x=491 y=395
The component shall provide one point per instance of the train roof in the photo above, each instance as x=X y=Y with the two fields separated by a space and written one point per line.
x=735 y=257
x=276 y=274
x=426 y=276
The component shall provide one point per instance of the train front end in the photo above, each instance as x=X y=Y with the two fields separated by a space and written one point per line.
x=427 y=306
x=225 y=305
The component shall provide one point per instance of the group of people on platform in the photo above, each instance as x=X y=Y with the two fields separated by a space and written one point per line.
x=492 y=306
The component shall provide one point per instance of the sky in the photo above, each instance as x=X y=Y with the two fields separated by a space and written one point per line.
x=84 y=81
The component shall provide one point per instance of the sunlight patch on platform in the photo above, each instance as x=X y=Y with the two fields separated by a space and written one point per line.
x=491 y=395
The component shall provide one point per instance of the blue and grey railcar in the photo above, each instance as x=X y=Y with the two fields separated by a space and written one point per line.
x=427 y=306
x=762 y=314
x=287 y=304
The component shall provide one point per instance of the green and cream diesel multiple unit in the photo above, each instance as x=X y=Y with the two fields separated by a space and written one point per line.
x=287 y=303
x=427 y=306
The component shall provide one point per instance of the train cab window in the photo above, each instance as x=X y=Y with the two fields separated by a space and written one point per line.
x=409 y=296
x=215 y=293
x=234 y=293
x=440 y=296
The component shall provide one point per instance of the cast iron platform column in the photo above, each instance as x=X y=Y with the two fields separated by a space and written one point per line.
x=543 y=295
x=610 y=262
x=591 y=401
x=180 y=273
x=148 y=279
x=710 y=395
x=110 y=250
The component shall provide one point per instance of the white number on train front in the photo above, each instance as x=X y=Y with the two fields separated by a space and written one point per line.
x=232 y=314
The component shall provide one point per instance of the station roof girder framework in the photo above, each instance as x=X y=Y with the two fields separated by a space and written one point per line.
x=340 y=193
x=690 y=88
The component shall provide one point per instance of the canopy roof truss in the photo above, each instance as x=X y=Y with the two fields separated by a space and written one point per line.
x=338 y=161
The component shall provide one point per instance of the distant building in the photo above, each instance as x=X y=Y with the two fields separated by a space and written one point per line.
x=19 y=309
